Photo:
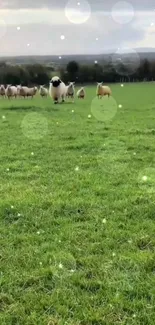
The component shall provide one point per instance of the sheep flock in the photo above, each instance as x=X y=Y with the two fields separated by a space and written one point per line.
x=58 y=91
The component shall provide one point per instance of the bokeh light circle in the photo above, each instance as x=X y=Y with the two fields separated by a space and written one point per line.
x=3 y=28
x=113 y=154
x=34 y=126
x=104 y=109
x=64 y=264
x=78 y=12
x=122 y=12
x=126 y=61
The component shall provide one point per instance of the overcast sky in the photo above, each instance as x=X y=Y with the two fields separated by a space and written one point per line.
x=30 y=27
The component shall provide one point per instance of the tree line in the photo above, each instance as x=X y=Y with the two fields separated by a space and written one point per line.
x=143 y=70
x=38 y=74
x=27 y=75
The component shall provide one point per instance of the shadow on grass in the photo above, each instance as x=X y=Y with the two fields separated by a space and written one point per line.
x=24 y=108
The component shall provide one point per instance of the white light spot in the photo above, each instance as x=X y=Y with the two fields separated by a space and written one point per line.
x=57 y=123
x=72 y=271
x=152 y=24
x=60 y=266
x=104 y=221
x=18 y=27
x=144 y=178
x=130 y=241
x=28 y=44
x=62 y=37
x=78 y=3
x=32 y=153
x=3 y=117
x=19 y=215
x=96 y=38
x=134 y=315
x=41 y=263
x=59 y=241
x=72 y=110
x=60 y=57
x=76 y=168
x=12 y=207
x=89 y=116
x=113 y=254
x=38 y=232
x=95 y=61
x=122 y=85
x=134 y=153
x=8 y=169
x=120 y=106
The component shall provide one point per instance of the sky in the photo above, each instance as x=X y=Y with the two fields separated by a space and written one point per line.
x=59 y=27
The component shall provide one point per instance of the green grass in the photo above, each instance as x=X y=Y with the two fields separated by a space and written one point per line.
x=77 y=219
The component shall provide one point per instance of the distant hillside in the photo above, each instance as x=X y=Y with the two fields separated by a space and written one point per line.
x=83 y=59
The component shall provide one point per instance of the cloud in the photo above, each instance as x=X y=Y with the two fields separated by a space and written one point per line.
x=100 y=5
x=43 y=22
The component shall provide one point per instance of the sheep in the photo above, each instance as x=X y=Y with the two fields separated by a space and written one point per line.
x=2 y=91
x=22 y=91
x=43 y=91
x=70 y=91
x=57 y=90
x=31 y=92
x=81 y=93
x=11 y=91
x=103 y=90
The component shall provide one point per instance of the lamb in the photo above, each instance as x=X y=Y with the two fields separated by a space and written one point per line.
x=103 y=90
x=31 y=92
x=43 y=91
x=11 y=91
x=57 y=90
x=70 y=90
x=81 y=93
x=2 y=91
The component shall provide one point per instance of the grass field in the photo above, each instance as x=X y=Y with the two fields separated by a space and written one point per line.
x=77 y=211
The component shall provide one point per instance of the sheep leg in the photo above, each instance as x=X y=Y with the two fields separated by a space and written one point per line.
x=56 y=100
x=63 y=99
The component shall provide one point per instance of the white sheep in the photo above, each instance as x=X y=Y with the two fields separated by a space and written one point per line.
x=70 y=93
x=103 y=90
x=57 y=90
x=81 y=93
x=43 y=91
x=22 y=91
x=2 y=91
x=11 y=91
x=31 y=92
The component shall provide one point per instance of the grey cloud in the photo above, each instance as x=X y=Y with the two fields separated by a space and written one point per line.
x=44 y=35
x=45 y=39
x=99 y=5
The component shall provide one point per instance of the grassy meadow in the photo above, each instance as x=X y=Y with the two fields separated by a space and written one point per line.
x=77 y=210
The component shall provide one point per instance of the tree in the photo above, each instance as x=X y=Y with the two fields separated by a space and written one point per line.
x=144 y=70
x=72 y=69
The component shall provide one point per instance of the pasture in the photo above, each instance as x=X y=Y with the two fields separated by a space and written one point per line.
x=77 y=211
